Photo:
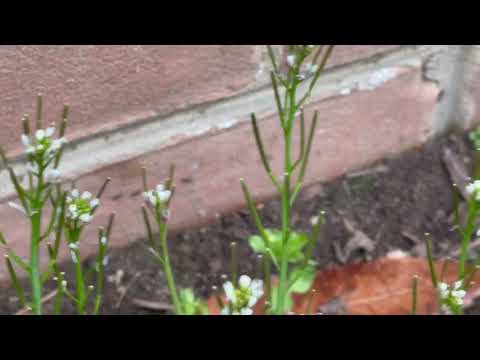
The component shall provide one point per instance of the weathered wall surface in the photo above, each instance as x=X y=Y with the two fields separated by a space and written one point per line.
x=136 y=105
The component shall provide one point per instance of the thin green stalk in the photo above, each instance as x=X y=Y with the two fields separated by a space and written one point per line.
x=36 y=234
x=81 y=289
x=74 y=236
x=286 y=205
x=168 y=269
x=431 y=264
x=467 y=236
x=16 y=283
x=267 y=270
x=414 y=295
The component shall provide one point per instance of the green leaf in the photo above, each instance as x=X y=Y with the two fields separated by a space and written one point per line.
x=293 y=249
x=257 y=244
x=191 y=305
x=2 y=239
x=304 y=279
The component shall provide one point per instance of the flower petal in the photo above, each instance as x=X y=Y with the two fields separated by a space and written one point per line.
x=230 y=292
x=244 y=281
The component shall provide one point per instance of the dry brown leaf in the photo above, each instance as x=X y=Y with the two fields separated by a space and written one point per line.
x=383 y=287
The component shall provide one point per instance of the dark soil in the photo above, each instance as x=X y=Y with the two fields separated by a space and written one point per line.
x=394 y=203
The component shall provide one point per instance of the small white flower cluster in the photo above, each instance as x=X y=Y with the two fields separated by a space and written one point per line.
x=293 y=59
x=158 y=197
x=242 y=299
x=51 y=175
x=42 y=145
x=474 y=189
x=451 y=296
x=80 y=207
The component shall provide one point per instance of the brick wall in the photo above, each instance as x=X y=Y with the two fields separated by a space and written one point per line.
x=136 y=105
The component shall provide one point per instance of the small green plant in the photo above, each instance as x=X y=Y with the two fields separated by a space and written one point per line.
x=40 y=196
x=290 y=252
x=451 y=296
x=157 y=205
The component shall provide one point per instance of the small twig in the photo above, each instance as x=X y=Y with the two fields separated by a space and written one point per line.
x=411 y=237
x=381 y=169
x=152 y=305
x=45 y=299
x=124 y=293
x=473 y=245
x=457 y=171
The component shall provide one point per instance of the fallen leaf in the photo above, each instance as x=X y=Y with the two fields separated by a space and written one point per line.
x=382 y=287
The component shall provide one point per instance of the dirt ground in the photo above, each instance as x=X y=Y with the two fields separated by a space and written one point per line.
x=393 y=202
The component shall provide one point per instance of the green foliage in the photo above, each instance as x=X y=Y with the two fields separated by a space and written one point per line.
x=192 y=305
x=293 y=249
x=474 y=137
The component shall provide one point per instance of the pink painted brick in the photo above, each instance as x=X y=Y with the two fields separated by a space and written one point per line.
x=353 y=131
x=111 y=85
x=345 y=54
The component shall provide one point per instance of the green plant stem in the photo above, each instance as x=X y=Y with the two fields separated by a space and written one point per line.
x=286 y=204
x=80 y=280
x=467 y=237
x=35 y=275
x=81 y=293
x=168 y=269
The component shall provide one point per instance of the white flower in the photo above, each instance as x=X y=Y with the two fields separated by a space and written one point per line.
x=86 y=195
x=164 y=196
x=291 y=60
x=473 y=188
x=73 y=246
x=40 y=135
x=451 y=296
x=243 y=299
x=246 y=311
x=103 y=240
x=460 y=294
x=244 y=281
x=458 y=285
x=86 y=218
x=81 y=207
x=94 y=203
x=159 y=196
x=42 y=143
x=230 y=292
